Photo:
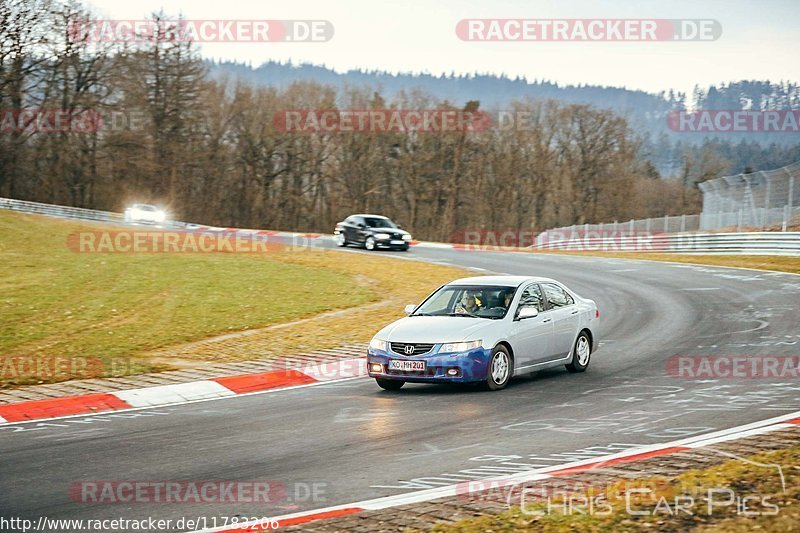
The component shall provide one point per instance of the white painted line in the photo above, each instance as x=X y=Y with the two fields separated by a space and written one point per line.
x=3 y=420
x=701 y=289
x=754 y=428
x=743 y=434
x=167 y=394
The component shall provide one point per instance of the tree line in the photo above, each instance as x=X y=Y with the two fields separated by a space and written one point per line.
x=208 y=149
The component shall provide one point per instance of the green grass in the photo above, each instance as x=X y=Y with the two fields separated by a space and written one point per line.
x=59 y=303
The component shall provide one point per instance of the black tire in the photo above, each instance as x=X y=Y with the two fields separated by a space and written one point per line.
x=370 y=244
x=390 y=384
x=583 y=345
x=492 y=383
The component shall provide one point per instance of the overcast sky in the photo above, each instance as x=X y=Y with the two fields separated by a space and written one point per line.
x=759 y=38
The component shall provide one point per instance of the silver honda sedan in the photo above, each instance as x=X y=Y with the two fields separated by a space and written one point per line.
x=486 y=329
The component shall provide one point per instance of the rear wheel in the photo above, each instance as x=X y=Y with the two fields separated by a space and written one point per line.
x=499 y=369
x=390 y=384
x=581 y=353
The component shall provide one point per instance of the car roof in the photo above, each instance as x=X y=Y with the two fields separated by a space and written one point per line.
x=369 y=215
x=503 y=281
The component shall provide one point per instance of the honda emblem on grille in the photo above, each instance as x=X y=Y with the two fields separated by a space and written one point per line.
x=409 y=349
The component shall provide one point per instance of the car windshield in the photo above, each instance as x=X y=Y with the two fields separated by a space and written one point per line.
x=379 y=222
x=145 y=207
x=478 y=301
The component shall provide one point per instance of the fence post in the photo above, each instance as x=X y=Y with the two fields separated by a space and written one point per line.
x=766 y=202
x=683 y=223
x=666 y=223
x=786 y=214
x=632 y=222
x=739 y=222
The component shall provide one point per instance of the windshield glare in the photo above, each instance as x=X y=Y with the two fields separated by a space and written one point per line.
x=478 y=301
x=374 y=222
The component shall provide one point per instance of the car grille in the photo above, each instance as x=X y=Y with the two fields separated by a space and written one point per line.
x=419 y=349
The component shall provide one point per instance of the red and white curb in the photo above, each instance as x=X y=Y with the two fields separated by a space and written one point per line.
x=223 y=387
x=628 y=456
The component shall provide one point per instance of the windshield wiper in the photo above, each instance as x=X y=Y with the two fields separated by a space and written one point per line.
x=464 y=315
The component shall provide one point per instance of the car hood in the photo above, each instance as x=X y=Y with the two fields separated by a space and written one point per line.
x=435 y=329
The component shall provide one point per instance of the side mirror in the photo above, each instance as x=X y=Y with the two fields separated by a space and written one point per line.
x=527 y=312
x=409 y=309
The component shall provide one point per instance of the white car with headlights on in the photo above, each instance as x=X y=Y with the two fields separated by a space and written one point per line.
x=145 y=214
x=486 y=329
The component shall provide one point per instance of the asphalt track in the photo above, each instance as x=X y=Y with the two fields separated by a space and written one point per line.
x=352 y=441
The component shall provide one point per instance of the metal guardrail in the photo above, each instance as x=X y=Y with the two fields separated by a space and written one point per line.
x=754 y=243
x=751 y=243
x=61 y=211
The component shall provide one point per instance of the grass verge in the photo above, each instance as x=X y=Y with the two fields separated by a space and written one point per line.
x=760 y=262
x=757 y=500
x=65 y=314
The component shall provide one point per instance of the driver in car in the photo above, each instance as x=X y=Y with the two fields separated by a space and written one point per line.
x=471 y=302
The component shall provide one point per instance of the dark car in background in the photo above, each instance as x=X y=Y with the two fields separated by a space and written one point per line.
x=372 y=232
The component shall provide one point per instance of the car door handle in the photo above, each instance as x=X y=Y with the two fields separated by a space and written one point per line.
x=546 y=320
x=575 y=312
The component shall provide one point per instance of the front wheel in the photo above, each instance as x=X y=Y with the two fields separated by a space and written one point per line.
x=370 y=244
x=340 y=239
x=581 y=353
x=499 y=369
x=389 y=384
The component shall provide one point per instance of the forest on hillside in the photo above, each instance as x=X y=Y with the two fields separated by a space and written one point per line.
x=207 y=147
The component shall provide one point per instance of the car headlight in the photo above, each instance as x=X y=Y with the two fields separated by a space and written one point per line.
x=377 y=344
x=406 y=237
x=160 y=216
x=382 y=236
x=461 y=346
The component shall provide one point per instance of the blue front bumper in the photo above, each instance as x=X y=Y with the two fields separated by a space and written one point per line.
x=471 y=366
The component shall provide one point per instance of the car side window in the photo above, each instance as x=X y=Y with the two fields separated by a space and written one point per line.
x=531 y=297
x=556 y=296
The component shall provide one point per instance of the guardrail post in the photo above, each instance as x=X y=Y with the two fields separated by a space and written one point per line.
x=683 y=223
x=632 y=222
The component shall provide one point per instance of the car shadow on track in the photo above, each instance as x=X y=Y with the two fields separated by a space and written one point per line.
x=447 y=389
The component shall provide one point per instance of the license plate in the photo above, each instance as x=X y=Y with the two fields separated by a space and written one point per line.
x=407 y=366
x=398 y=242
